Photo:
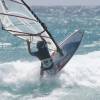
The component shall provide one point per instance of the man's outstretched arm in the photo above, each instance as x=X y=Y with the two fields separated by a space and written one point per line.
x=29 y=49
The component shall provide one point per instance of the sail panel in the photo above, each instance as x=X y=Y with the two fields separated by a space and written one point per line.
x=16 y=17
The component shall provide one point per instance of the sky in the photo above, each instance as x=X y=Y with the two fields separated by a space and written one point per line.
x=63 y=2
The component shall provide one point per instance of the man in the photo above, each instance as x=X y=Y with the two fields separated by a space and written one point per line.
x=43 y=55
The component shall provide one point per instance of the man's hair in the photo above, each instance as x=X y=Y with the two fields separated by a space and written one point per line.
x=41 y=44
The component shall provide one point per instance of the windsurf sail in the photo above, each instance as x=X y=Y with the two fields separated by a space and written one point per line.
x=18 y=19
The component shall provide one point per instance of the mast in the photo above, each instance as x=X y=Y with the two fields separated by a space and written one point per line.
x=43 y=25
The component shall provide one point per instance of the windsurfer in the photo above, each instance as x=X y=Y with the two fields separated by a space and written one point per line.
x=43 y=55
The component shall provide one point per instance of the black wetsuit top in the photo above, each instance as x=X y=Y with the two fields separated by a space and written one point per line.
x=42 y=53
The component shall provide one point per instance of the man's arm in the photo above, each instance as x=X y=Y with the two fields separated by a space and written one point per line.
x=29 y=49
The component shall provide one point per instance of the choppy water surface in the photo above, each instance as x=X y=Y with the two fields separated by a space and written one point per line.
x=79 y=80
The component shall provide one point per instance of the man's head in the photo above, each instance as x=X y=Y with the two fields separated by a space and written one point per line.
x=41 y=44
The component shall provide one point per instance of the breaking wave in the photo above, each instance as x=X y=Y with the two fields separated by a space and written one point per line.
x=22 y=78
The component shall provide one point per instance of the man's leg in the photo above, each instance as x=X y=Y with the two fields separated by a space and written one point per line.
x=41 y=71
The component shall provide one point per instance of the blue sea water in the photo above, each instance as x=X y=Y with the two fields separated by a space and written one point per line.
x=80 y=78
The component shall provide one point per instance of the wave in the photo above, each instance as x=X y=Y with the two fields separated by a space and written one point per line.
x=94 y=44
x=13 y=72
x=81 y=69
x=5 y=44
x=21 y=78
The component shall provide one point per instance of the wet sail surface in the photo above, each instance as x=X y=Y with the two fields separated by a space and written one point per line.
x=19 y=21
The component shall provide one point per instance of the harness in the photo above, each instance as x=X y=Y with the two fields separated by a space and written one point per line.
x=47 y=64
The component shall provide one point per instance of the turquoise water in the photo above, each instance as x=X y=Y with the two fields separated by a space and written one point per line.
x=79 y=80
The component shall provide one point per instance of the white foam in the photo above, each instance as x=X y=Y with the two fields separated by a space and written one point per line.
x=81 y=70
x=18 y=72
x=5 y=44
x=94 y=44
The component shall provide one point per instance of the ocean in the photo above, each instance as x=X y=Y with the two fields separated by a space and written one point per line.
x=79 y=79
